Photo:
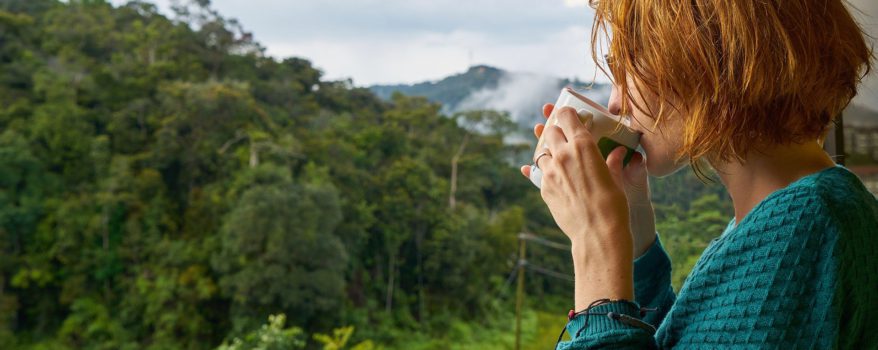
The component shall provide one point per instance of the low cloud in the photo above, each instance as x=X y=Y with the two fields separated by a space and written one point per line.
x=520 y=94
x=430 y=56
x=576 y=3
x=406 y=41
x=523 y=95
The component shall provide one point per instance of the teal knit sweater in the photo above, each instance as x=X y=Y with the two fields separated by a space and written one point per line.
x=800 y=271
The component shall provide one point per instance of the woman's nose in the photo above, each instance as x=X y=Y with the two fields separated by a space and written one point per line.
x=615 y=104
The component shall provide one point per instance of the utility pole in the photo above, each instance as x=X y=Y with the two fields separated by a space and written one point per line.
x=523 y=237
x=519 y=295
x=834 y=141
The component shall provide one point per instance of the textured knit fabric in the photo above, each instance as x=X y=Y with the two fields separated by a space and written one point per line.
x=800 y=271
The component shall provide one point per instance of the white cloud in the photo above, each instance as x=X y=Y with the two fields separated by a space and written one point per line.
x=389 y=41
x=430 y=56
x=521 y=94
x=375 y=61
x=576 y=3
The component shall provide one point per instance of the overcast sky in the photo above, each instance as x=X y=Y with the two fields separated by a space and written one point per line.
x=393 y=41
x=407 y=41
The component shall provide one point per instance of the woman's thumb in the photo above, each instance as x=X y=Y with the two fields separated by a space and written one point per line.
x=635 y=174
x=614 y=163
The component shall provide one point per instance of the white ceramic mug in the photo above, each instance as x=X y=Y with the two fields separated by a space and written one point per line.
x=610 y=131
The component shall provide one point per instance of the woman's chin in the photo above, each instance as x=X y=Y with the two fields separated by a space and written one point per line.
x=659 y=168
x=653 y=170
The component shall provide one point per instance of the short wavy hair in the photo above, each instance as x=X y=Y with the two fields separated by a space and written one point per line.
x=743 y=74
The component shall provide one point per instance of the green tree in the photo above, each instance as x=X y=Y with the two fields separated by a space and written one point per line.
x=277 y=250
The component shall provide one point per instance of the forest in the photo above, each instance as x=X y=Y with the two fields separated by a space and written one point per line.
x=165 y=184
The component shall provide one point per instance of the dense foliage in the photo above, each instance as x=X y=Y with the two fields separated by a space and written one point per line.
x=164 y=184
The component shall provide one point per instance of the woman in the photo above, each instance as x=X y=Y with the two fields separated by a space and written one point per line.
x=748 y=88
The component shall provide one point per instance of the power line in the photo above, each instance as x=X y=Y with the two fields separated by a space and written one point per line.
x=511 y=276
x=542 y=241
x=548 y=272
x=523 y=238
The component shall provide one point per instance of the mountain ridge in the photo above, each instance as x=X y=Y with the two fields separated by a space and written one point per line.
x=485 y=87
x=449 y=90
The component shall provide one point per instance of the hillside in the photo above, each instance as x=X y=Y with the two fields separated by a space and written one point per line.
x=484 y=87
x=449 y=91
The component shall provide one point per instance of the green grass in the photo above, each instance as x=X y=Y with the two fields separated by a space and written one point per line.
x=539 y=332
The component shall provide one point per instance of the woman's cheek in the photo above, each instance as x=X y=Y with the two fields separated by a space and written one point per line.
x=657 y=160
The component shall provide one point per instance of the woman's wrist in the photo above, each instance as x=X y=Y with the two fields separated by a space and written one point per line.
x=643 y=243
x=603 y=268
x=594 y=284
x=642 y=226
x=601 y=243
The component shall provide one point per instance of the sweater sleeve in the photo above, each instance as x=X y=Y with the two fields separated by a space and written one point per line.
x=652 y=289
x=599 y=331
x=652 y=283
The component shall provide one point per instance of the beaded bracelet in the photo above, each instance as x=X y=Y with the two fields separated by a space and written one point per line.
x=625 y=319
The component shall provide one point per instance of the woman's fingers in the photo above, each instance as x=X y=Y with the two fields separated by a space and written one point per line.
x=547 y=110
x=636 y=180
x=615 y=163
x=570 y=122
x=554 y=137
x=635 y=171
x=525 y=170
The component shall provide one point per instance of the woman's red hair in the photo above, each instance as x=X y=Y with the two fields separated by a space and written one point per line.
x=742 y=74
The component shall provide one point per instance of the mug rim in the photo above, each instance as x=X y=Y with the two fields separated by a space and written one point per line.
x=599 y=107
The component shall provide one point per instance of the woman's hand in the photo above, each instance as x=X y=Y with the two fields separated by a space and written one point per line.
x=585 y=195
x=636 y=187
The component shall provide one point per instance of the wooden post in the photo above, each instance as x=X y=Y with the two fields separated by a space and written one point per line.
x=834 y=142
x=452 y=200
